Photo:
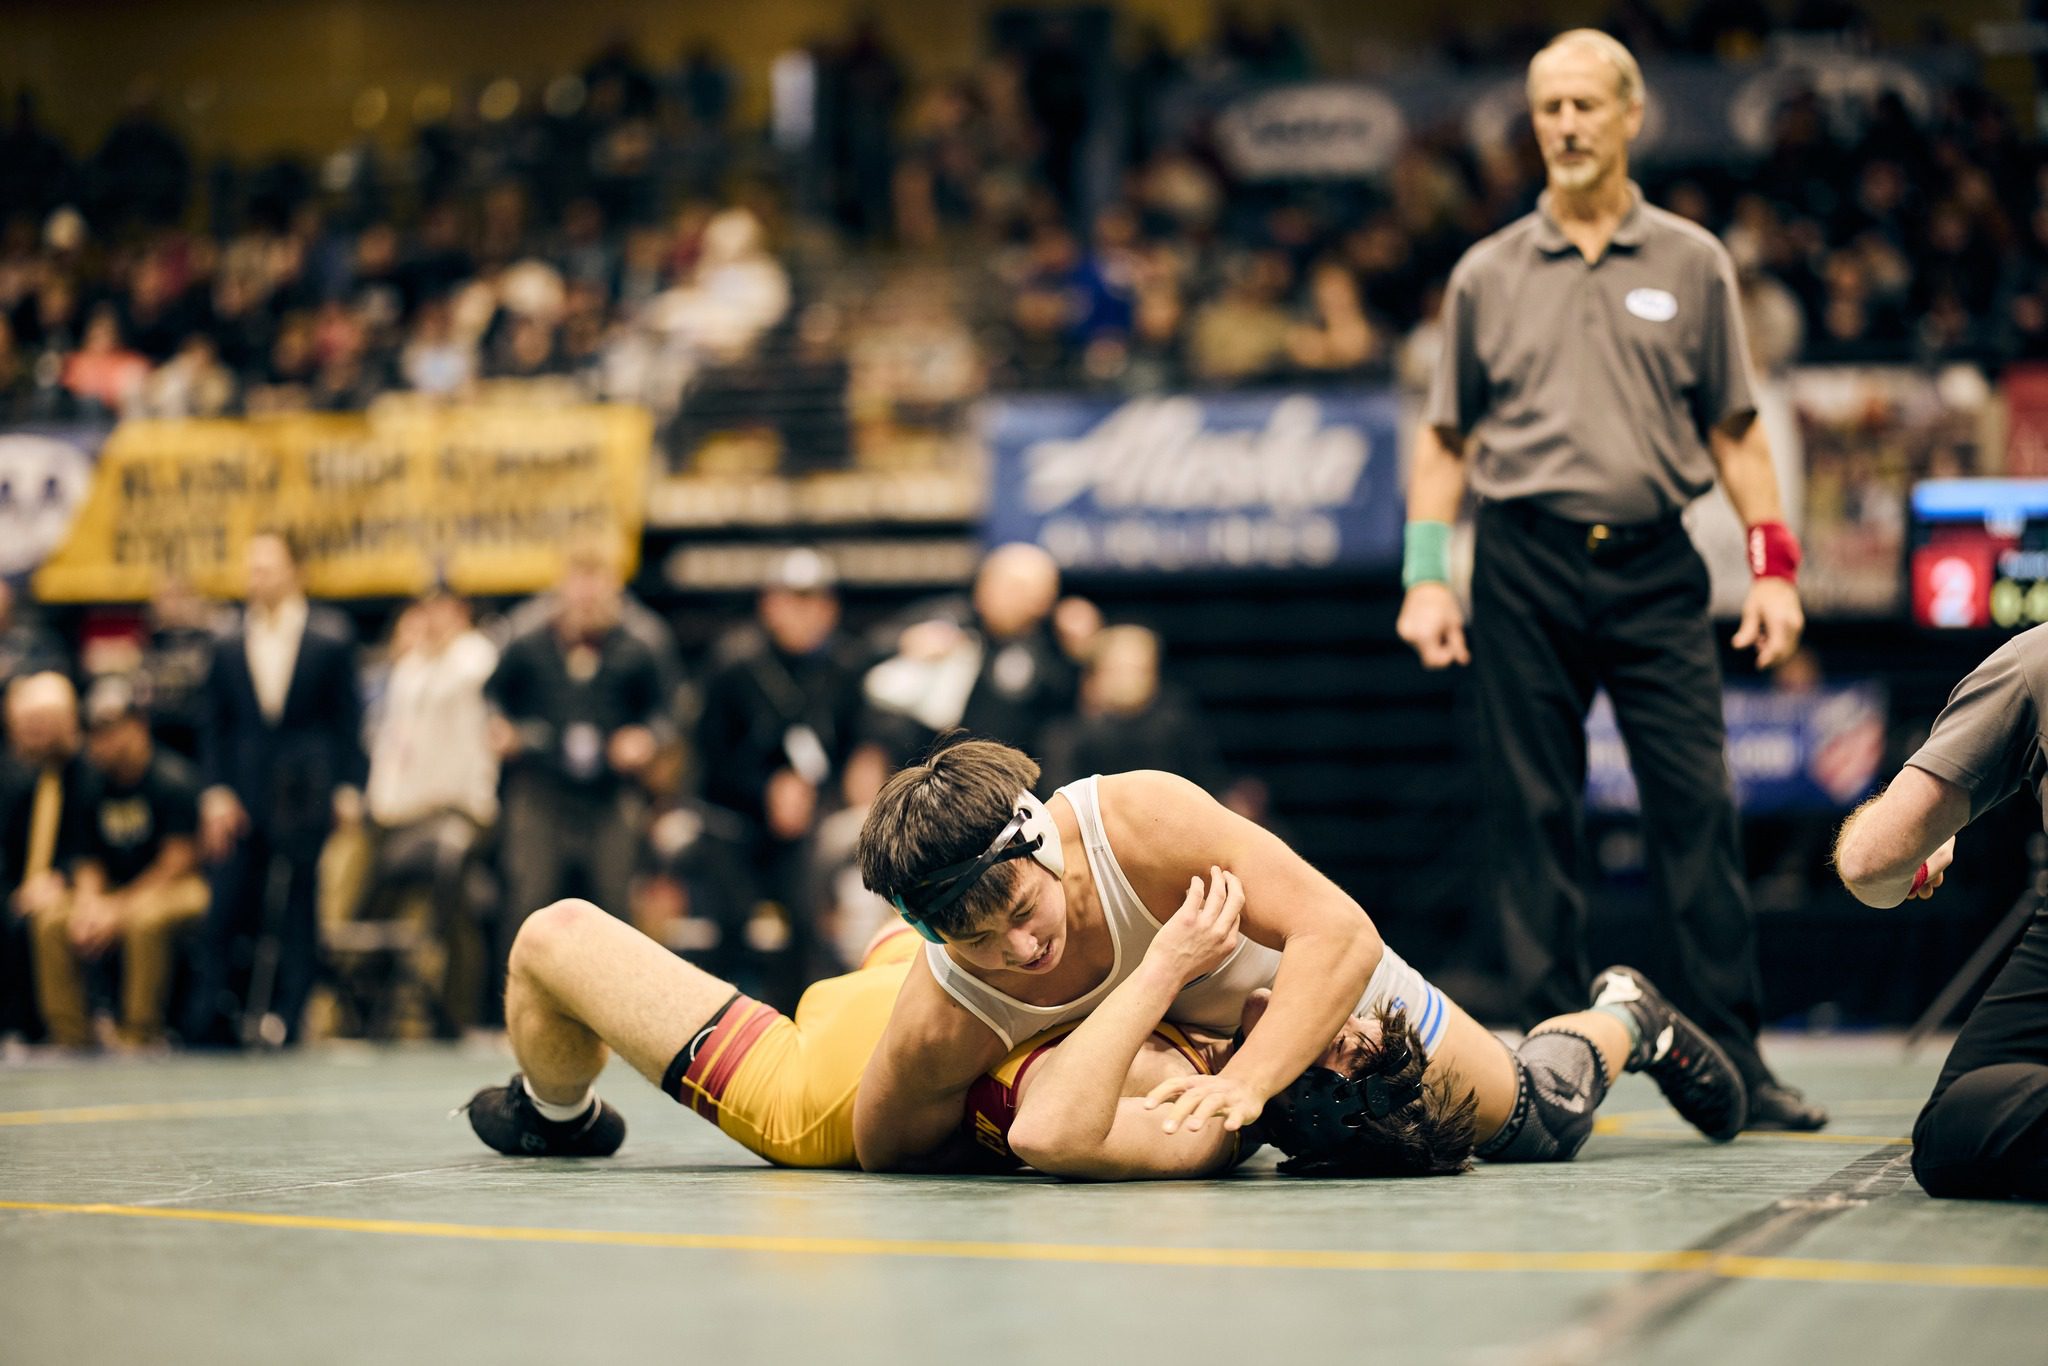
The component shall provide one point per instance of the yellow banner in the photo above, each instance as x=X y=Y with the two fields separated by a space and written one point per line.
x=485 y=498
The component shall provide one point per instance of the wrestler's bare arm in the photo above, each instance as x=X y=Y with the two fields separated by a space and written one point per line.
x=914 y=1092
x=1166 y=830
x=1075 y=1117
x=1885 y=840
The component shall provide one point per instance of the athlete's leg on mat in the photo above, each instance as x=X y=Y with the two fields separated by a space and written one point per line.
x=582 y=982
x=1609 y=1036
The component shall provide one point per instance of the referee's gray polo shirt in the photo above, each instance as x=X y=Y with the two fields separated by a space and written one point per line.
x=1591 y=388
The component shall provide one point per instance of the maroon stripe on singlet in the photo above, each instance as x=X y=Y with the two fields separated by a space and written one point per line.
x=722 y=1053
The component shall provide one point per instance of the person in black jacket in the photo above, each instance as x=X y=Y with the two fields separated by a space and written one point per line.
x=580 y=714
x=282 y=763
x=136 y=889
x=781 y=717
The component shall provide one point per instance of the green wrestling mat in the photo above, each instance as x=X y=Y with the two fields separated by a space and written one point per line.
x=323 y=1208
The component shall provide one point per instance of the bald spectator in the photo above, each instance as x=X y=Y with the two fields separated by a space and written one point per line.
x=136 y=887
x=42 y=817
x=25 y=647
x=990 y=663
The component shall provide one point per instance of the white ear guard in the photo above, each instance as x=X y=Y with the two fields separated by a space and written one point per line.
x=1038 y=825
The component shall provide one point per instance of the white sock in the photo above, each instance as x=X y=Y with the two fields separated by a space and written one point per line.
x=561 y=1114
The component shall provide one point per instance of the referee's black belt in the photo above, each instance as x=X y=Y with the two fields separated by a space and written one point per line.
x=1600 y=539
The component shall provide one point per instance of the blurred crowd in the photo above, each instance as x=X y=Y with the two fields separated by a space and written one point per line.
x=230 y=827
x=615 y=233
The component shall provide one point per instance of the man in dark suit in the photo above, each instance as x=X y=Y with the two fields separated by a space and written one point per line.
x=282 y=761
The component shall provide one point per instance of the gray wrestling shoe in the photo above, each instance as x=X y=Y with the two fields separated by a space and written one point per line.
x=1692 y=1071
x=504 y=1118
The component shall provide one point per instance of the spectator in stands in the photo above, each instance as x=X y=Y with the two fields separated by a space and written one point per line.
x=136 y=882
x=781 y=719
x=734 y=294
x=43 y=817
x=1332 y=336
x=432 y=796
x=177 y=656
x=438 y=360
x=990 y=662
x=192 y=383
x=1241 y=336
x=17 y=377
x=580 y=711
x=1128 y=719
x=142 y=171
x=26 y=647
x=36 y=170
x=103 y=373
x=282 y=764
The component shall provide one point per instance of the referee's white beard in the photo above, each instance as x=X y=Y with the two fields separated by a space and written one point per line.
x=1578 y=175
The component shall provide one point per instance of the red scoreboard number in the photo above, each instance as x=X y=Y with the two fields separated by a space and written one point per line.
x=1971 y=578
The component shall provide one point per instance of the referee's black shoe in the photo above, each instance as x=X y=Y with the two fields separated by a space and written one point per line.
x=504 y=1118
x=1775 y=1106
x=1699 y=1080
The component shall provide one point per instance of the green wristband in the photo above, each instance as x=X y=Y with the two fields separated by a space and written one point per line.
x=1425 y=553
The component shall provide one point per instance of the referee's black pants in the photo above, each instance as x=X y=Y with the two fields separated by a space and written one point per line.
x=1554 y=618
x=1984 y=1132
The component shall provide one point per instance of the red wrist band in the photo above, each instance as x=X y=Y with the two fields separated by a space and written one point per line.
x=1773 y=552
x=1919 y=881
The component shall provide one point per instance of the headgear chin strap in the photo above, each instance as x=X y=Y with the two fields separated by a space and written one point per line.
x=1029 y=833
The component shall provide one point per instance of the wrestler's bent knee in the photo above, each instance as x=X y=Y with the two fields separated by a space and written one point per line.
x=552 y=930
x=1987 y=1137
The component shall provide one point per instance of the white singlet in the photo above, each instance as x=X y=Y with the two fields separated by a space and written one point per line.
x=1214 y=1003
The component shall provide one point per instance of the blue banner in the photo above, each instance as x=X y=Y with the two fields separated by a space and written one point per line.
x=1816 y=750
x=1278 y=480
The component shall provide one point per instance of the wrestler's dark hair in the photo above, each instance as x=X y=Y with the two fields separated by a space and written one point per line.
x=941 y=812
x=1429 y=1133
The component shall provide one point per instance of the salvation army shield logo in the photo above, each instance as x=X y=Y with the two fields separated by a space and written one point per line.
x=43 y=481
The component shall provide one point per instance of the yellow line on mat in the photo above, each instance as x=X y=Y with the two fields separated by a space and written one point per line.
x=1742 y=1268
x=1632 y=1124
x=175 y=1109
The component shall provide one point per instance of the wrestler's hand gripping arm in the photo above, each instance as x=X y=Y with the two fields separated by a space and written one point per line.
x=1074 y=1119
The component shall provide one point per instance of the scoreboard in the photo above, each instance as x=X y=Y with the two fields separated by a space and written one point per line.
x=1979 y=555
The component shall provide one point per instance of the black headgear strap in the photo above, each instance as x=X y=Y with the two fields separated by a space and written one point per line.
x=952 y=882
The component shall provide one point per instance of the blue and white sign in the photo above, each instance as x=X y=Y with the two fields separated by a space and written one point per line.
x=1322 y=131
x=44 y=475
x=1817 y=750
x=1291 y=480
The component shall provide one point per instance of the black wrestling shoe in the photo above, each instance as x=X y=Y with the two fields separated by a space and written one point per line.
x=504 y=1118
x=1776 y=1106
x=1689 y=1068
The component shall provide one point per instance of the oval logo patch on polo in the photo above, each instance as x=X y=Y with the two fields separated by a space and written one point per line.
x=1652 y=305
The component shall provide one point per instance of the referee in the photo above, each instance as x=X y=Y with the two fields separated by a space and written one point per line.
x=1594 y=380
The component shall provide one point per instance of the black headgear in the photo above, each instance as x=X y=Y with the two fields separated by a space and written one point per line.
x=1316 y=1119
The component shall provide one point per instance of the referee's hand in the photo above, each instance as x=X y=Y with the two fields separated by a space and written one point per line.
x=1432 y=624
x=1772 y=620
